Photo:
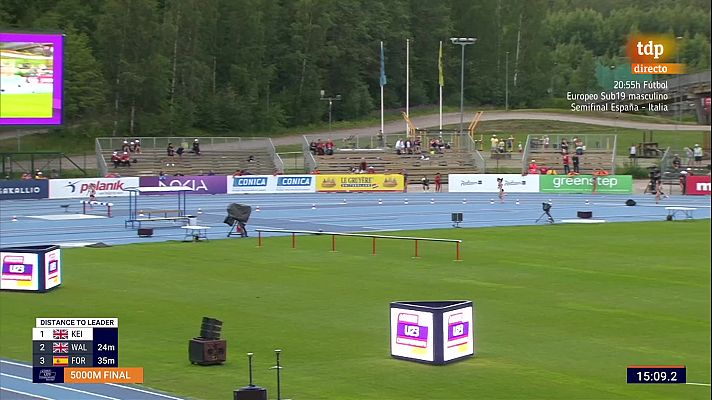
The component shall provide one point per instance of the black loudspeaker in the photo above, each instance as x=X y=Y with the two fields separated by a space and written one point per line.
x=668 y=218
x=250 y=393
x=456 y=217
x=145 y=232
x=630 y=202
x=210 y=328
x=207 y=352
x=584 y=214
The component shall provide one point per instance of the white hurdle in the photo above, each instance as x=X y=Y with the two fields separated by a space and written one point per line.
x=96 y=203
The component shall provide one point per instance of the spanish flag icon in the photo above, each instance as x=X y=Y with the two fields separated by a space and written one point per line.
x=60 y=361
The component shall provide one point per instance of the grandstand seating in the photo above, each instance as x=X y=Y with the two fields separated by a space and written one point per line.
x=151 y=161
x=451 y=161
x=588 y=162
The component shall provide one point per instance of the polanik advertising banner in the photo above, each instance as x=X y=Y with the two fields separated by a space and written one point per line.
x=79 y=188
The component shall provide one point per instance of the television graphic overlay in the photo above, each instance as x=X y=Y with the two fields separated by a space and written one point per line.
x=31 y=78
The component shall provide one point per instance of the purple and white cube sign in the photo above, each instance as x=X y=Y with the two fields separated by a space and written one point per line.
x=411 y=334
x=457 y=331
x=19 y=271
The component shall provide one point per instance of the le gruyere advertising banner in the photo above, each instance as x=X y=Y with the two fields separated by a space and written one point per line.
x=360 y=183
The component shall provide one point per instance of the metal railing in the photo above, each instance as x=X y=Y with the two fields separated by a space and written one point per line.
x=310 y=163
x=100 y=160
x=278 y=164
x=333 y=235
x=525 y=155
x=206 y=143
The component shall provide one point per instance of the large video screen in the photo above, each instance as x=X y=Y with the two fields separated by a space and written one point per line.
x=31 y=78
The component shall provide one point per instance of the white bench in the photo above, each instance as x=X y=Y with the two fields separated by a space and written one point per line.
x=93 y=203
x=195 y=232
x=686 y=211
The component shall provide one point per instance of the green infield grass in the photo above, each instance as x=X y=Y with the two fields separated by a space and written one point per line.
x=560 y=311
x=34 y=105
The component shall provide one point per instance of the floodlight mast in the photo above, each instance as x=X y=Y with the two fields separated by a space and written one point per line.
x=462 y=41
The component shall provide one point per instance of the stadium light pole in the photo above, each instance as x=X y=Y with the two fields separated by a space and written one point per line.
x=506 y=82
x=462 y=42
x=331 y=100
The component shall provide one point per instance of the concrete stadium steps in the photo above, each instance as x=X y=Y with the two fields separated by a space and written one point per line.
x=588 y=162
x=152 y=161
x=386 y=161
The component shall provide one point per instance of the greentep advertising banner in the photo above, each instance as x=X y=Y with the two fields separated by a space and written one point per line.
x=584 y=184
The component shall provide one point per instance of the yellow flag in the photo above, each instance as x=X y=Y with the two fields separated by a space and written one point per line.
x=441 y=77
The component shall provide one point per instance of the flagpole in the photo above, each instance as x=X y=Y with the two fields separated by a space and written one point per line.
x=440 y=85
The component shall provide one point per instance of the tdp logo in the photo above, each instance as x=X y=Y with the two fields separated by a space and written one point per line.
x=651 y=49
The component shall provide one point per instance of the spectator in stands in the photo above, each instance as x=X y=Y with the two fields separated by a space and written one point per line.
x=408 y=146
x=211 y=173
x=425 y=182
x=564 y=145
x=126 y=159
x=180 y=150
x=399 y=146
x=580 y=148
x=196 y=147
x=178 y=174
x=575 y=159
x=501 y=147
x=251 y=158
x=371 y=169
x=544 y=170
x=162 y=177
x=417 y=143
x=132 y=147
x=137 y=147
x=533 y=168
x=170 y=150
x=546 y=141
x=116 y=159
x=237 y=173
x=363 y=166
x=320 y=147
x=632 y=152
x=312 y=147
x=26 y=176
x=676 y=162
x=438 y=182
x=329 y=147
x=698 y=153
x=125 y=146
x=39 y=175
x=566 y=160
x=493 y=143
x=510 y=144
x=688 y=156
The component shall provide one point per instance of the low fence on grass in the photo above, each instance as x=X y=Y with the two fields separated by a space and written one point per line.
x=373 y=238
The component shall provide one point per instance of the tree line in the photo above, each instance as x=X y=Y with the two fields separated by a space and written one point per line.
x=156 y=67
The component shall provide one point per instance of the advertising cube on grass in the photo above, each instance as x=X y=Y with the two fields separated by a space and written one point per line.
x=433 y=332
x=31 y=268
